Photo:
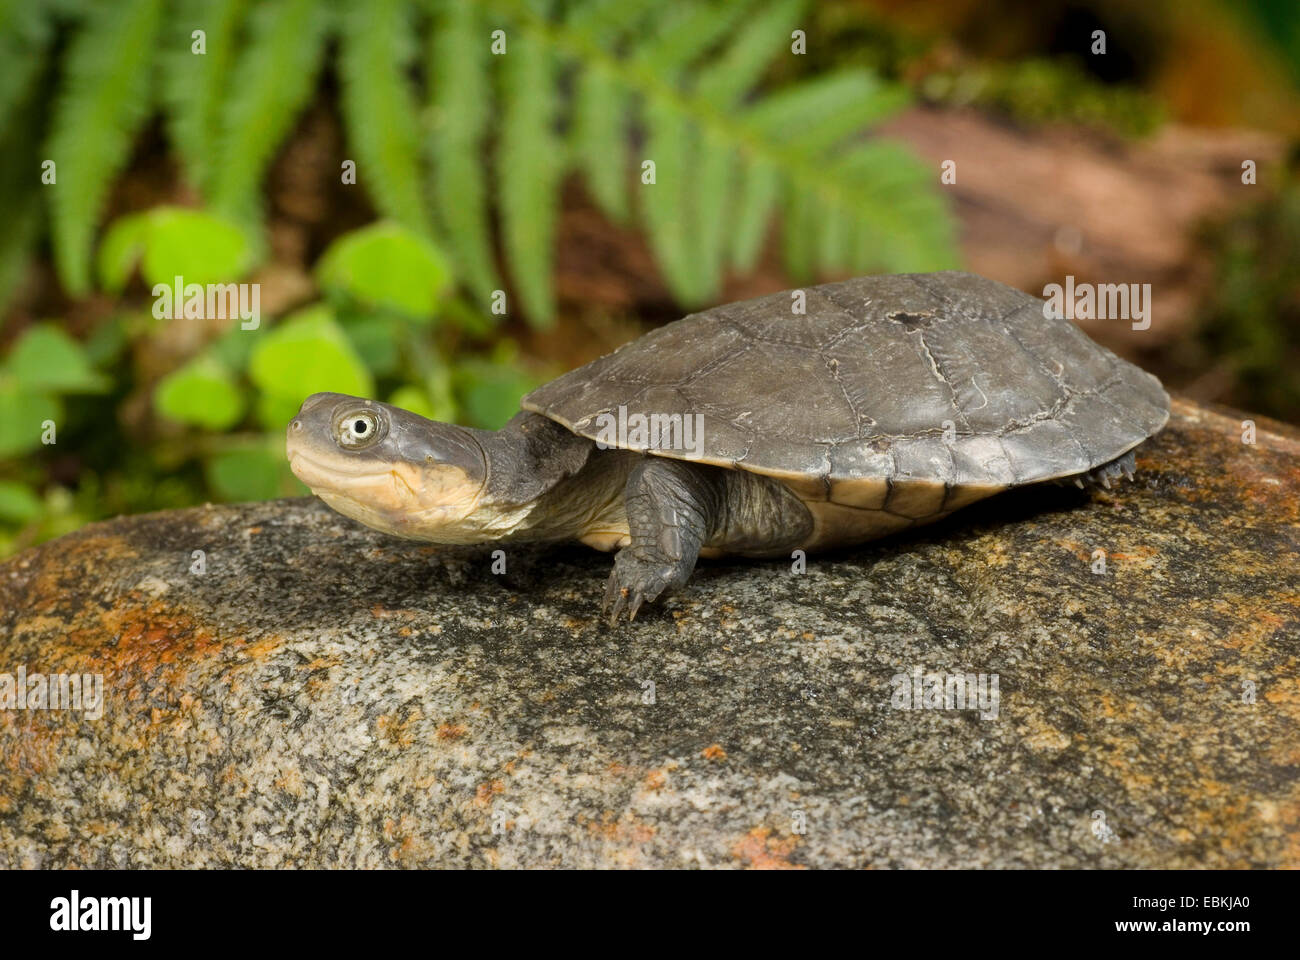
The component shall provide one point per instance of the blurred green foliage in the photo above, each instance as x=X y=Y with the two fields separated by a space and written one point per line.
x=1031 y=90
x=1276 y=23
x=1037 y=90
x=1251 y=326
x=168 y=242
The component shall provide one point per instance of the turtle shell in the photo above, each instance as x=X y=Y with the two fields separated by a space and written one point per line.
x=947 y=385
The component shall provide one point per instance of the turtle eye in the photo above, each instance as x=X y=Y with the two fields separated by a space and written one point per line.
x=359 y=429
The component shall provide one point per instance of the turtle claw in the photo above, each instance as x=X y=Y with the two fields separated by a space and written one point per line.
x=616 y=602
x=632 y=584
x=634 y=606
x=614 y=598
x=1106 y=475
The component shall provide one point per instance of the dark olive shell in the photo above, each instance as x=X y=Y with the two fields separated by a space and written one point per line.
x=939 y=378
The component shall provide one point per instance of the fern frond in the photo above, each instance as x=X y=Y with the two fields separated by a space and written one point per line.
x=104 y=99
x=193 y=84
x=897 y=203
x=665 y=204
x=601 y=128
x=530 y=161
x=722 y=84
x=760 y=187
x=686 y=212
x=460 y=95
x=723 y=166
x=743 y=61
x=834 y=241
x=685 y=32
x=379 y=107
x=600 y=138
x=813 y=120
x=607 y=22
x=822 y=112
x=799 y=233
x=715 y=168
x=273 y=79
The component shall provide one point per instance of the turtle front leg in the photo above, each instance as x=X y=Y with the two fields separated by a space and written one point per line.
x=672 y=509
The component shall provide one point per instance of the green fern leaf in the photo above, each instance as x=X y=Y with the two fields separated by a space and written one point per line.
x=715 y=168
x=760 y=187
x=193 y=83
x=665 y=203
x=834 y=240
x=103 y=101
x=602 y=104
x=691 y=232
x=732 y=74
x=530 y=161
x=461 y=95
x=722 y=167
x=273 y=79
x=600 y=138
x=894 y=199
x=820 y=113
x=686 y=32
x=799 y=234
x=379 y=107
x=685 y=210
x=811 y=119
x=607 y=22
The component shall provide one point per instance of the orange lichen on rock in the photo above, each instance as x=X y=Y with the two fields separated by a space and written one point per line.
x=762 y=849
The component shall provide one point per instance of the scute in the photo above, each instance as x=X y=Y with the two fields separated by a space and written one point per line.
x=822 y=317
x=919 y=400
x=743 y=390
x=988 y=395
x=947 y=383
x=982 y=460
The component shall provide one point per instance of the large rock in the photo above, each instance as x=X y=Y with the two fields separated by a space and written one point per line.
x=323 y=695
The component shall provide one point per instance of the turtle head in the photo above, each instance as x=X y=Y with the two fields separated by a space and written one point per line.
x=390 y=469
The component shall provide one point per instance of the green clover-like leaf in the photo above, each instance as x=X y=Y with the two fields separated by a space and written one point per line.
x=46 y=359
x=202 y=393
x=387 y=266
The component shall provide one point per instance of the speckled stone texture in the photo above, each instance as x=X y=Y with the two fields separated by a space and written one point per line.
x=324 y=695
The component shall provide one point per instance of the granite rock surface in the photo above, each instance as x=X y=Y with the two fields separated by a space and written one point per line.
x=307 y=692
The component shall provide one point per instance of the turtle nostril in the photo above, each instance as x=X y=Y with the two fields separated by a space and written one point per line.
x=297 y=425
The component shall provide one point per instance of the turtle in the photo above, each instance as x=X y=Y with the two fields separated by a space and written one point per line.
x=809 y=420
